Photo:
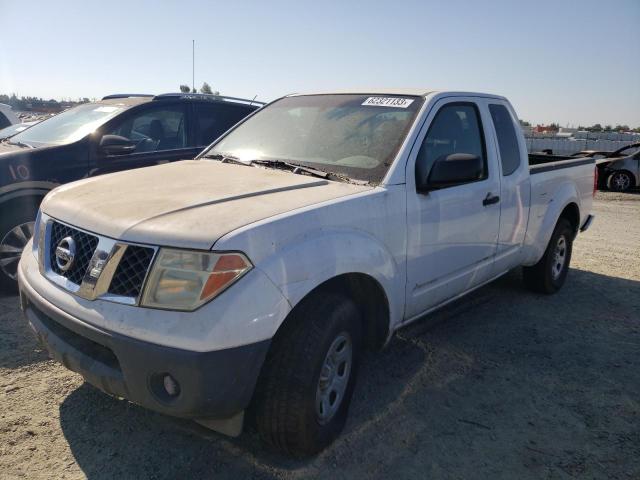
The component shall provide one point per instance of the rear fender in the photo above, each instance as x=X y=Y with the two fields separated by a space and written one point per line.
x=545 y=212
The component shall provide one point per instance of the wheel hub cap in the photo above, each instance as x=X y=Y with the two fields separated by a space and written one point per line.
x=559 y=257
x=11 y=247
x=334 y=377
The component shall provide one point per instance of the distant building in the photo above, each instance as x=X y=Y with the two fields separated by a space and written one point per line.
x=545 y=128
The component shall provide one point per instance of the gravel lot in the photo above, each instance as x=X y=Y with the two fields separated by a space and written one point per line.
x=502 y=384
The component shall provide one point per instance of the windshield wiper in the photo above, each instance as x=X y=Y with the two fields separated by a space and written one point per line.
x=299 y=169
x=295 y=168
x=282 y=165
x=225 y=158
x=20 y=144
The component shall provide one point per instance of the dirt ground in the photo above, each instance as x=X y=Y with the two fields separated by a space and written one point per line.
x=502 y=384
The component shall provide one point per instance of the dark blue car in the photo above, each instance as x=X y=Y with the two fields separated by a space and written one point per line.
x=120 y=132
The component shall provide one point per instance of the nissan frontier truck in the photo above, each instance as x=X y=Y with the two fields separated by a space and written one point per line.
x=251 y=279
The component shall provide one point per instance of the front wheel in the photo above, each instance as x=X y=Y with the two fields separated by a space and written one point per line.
x=550 y=273
x=16 y=229
x=620 y=181
x=305 y=388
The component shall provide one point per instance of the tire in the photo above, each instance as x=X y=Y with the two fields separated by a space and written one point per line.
x=16 y=228
x=620 y=181
x=292 y=406
x=550 y=273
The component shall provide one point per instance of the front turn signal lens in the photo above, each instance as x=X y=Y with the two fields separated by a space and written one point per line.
x=185 y=280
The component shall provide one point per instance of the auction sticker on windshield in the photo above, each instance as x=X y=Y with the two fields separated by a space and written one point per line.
x=388 y=102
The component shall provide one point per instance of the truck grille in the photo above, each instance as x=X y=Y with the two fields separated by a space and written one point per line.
x=85 y=246
x=131 y=271
x=120 y=283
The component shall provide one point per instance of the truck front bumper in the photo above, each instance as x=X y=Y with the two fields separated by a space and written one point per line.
x=183 y=383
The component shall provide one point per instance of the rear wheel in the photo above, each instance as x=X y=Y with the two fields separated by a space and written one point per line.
x=550 y=273
x=620 y=181
x=16 y=229
x=305 y=388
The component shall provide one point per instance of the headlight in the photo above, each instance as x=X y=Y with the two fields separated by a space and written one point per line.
x=185 y=280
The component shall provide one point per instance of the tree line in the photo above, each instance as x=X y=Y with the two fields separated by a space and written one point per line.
x=205 y=88
x=38 y=104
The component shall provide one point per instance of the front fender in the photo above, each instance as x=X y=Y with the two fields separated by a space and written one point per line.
x=546 y=207
x=299 y=267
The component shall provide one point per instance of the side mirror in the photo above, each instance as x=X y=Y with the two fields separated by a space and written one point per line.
x=453 y=169
x=116 y=145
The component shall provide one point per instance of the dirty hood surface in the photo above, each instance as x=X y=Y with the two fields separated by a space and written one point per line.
x=189 y=204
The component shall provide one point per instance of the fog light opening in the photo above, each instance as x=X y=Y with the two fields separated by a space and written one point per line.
x=171 y=385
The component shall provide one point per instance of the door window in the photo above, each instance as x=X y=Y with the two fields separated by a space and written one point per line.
x=154 y=129
x=507 y=139
x=456 y=128
x=213 y=120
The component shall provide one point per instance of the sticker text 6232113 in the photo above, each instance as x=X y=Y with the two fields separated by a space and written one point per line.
x=396 y=102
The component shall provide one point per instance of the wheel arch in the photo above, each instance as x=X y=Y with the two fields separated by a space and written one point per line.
x=369 y=297
x=571 y=212
x=34 y=197
x=564 y=205
x=634 y=180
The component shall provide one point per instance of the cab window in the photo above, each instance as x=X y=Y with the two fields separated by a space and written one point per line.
x=456 y=128
x=160 y=128
x=507 y=139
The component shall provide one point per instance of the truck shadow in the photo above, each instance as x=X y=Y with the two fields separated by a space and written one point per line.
x=516 y=381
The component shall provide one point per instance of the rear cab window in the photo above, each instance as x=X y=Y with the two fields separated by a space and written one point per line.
x=507 y=138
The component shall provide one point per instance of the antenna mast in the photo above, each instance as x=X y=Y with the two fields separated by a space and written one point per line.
x=193 y=65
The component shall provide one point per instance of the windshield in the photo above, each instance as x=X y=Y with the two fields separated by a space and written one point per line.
x=357 y=136
x=68 y=126
x=12 y=130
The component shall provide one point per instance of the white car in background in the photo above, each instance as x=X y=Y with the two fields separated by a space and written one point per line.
x=622 y=168
x=7 y=117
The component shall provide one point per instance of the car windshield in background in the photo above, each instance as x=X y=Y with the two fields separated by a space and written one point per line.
x=356 y=136
x=68 y=126
x=11 y=130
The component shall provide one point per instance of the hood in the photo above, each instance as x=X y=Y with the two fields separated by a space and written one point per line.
x=188 y=204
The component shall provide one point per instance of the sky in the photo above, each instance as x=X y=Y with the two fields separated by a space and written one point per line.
x=572 y=62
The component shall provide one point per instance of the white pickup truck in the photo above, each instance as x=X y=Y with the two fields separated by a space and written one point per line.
x=251 y=278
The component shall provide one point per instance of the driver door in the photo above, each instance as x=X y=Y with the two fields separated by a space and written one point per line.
x=452 y=231
x=158 y=133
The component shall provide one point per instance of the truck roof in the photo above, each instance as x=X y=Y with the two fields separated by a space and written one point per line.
x=135 y=98
x=416 y=92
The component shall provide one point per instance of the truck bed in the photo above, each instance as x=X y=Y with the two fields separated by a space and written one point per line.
x=540 y=162
x=554 y=177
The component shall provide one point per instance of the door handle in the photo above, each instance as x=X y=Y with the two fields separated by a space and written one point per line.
x=490 y=199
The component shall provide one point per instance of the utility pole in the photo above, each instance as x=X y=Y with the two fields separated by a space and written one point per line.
x=193 y=65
